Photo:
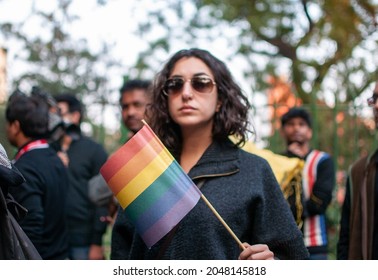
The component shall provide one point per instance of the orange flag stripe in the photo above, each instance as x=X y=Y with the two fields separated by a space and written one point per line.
x=144 y=179
x=135 y=165
x=126 y=153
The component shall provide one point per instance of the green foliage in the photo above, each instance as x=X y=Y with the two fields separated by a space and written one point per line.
x=343 y=133
x=316 y=39
x=333 y=216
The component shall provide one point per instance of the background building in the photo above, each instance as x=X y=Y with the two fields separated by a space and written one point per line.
x=3 y=75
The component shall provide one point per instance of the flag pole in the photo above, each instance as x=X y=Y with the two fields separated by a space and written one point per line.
x=215 y=212
x=222 y=221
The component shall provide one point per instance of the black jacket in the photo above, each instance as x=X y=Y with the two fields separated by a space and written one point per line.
x=14 y=243
x=85 y=160
x=44 y=195
x=358 y=238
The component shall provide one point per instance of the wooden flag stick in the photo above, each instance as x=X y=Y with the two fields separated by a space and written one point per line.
x=222 y=221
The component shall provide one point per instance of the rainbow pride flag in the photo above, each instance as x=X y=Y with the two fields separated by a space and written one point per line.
x=150 y=185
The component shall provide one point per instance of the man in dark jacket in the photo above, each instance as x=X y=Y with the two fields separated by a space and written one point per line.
x=359 y=219
x=45 y=191
x=134 y=99
x=83 y=158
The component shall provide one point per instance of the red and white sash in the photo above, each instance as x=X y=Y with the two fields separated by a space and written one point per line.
x=314 y=227
x=37 y=144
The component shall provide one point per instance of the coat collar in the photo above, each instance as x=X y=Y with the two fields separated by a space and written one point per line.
x=220 y=159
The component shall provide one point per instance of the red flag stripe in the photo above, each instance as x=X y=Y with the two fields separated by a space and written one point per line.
x=137 y=165
x=126 y=153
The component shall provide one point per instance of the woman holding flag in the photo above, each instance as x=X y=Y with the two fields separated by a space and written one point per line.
x=196 y=107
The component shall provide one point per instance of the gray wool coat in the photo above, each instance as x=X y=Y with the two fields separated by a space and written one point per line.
x=242 y=188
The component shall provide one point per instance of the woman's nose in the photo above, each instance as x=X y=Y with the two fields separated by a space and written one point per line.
x=187 y=90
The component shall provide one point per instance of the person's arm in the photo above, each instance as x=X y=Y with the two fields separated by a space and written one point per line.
x=30 y=196
x=99 y=229
x=321 y=195
x=99 y=192
x=99 y=225
x=343 y=243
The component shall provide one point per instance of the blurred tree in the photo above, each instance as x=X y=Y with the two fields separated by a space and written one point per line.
x=57 y=63
x=326 y=48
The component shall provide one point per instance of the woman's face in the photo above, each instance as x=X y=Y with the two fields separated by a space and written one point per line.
x=194 y=103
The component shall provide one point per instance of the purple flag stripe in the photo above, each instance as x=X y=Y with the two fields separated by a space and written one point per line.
x=171 y=218
x=164 y=193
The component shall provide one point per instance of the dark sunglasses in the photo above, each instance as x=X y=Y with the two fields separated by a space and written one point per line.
x=373 y=99
x=199 y=84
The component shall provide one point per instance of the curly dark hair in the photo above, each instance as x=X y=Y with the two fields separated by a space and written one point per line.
x=232 y=119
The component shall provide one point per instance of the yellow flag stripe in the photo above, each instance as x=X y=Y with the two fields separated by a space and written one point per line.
x=144 y=179
x=135 y=165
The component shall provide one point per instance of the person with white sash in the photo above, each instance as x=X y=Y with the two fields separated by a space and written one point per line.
x=318 y=179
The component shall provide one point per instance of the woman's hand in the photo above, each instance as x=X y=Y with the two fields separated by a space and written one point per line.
x=96 y=252
x=256 y=252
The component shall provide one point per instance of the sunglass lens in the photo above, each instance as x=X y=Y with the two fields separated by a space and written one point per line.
x=203 y=85
x=174 y=85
